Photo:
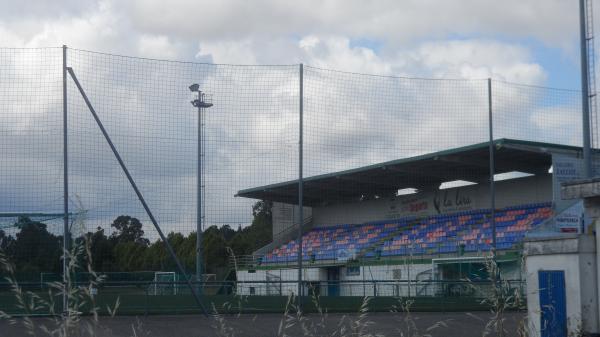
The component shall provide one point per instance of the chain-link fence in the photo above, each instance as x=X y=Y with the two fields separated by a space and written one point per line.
x=386 y=169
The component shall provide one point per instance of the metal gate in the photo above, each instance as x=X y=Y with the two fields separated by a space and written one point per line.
x=553 y=304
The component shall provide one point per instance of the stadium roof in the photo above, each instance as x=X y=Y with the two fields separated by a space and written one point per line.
x=469 y=163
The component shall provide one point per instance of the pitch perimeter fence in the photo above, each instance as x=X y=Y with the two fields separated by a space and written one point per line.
x=235 y=297
x=107 y=152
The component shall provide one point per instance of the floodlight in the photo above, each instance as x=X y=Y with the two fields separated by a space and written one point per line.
x=199 y=104
x=194 y=87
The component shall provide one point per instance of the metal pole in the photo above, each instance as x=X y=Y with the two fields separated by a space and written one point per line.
x=137 y=191
x=585 y=104
x=199 y=198
x=65 y=185
x=492 y=169
x=300 y=181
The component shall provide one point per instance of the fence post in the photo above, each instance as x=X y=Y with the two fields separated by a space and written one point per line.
x=65 y=298
x=300 y=182
x=164 y=239
x=585 y=103
x=492 y=169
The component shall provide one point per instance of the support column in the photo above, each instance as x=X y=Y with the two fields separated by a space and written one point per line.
x=66 y=235
x=300 y=179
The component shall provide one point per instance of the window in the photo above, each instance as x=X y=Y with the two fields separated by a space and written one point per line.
x=455 y=184
x=352 y=271
x=397 y=274
x=252 y=291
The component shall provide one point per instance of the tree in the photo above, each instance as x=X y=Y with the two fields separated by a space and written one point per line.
x=258 y=234
x=129 y=256
x=128 y=229
x=35 y=249
x=102 y=250
x=6 y=242
x=215 y=249
x=227 y=232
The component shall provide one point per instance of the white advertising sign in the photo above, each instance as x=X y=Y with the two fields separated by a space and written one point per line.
x=569 y=220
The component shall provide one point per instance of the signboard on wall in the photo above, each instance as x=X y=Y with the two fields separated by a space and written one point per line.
x=345 y=254
x=564 y=168
x=452 y=200
x=570 y=220
x=409 y=206
x=437 y=202
x=568 y=168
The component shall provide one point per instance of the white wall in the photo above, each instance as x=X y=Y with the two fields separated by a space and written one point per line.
x=367 y=273
x=399 y=287
x=568 y=263
x=283 y=288
x=512 y=192
x=576 y=256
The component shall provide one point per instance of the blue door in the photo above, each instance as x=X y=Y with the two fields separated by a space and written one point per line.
x=333 y=281
x=553 y=303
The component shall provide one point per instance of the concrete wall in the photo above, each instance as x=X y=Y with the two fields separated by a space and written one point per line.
x=367 y=273
x=511 y=192
x=285 y=218
x=396 y=286
x=577 y=258
x=275 y=288
x=568 y=263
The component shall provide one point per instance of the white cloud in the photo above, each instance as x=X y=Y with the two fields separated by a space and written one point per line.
x=230 y=52
x=351 y=119
x=554 y=21
x=157 y=46
x=474 y=59
x=337 y=53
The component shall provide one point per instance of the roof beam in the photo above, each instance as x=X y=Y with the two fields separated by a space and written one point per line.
x=365 y=181
x=501 y=165
x=410 y=173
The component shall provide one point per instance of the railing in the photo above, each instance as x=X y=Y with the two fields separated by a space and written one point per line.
x=143 y=297
x=286 y=235
x=372 y=288
x=381 y=288
x=258 y=261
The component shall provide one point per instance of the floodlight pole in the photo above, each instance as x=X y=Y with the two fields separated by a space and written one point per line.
x=201 y=105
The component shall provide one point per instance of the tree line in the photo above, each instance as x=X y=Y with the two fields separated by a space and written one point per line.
x=33 y=249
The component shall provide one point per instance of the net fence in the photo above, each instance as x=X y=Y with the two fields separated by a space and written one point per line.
x=391 y=166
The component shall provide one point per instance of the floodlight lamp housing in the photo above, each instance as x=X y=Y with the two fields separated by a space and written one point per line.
x=195 y=87
x=199 y=104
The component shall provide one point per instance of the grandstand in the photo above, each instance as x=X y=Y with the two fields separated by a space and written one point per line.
x=444 y=234
x=360 y=224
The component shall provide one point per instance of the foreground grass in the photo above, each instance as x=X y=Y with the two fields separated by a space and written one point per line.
x=81 y=316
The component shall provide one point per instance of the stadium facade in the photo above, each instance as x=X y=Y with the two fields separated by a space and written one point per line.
x=386 y=229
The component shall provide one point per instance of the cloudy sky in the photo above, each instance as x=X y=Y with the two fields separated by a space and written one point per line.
x=534 y=41
x=251 y=132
